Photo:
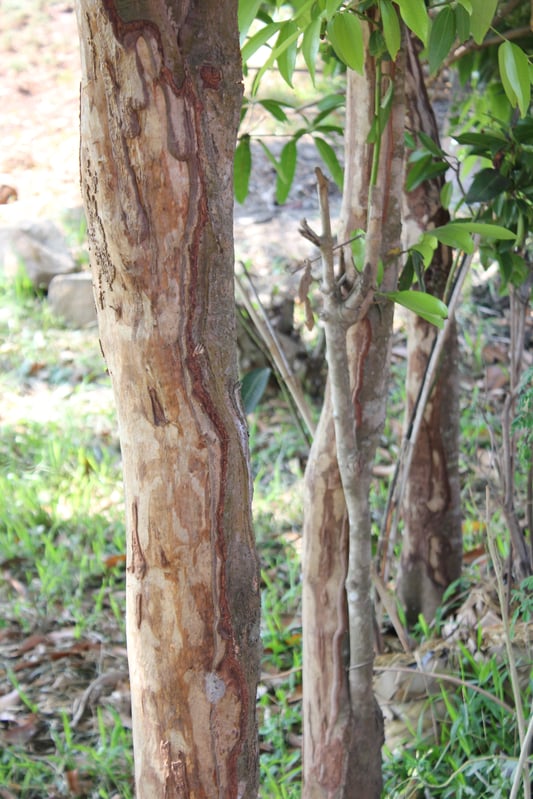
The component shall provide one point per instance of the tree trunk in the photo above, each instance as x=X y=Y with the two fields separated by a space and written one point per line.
x=343 y=726
x=432 y=539
x=160 y=103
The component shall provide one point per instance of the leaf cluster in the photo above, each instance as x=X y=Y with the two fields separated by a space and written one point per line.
x=333 y=32
x=321 y=125
x=502 y=191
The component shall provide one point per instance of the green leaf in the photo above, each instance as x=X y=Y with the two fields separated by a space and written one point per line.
x=377 y=46
x=310 y=45
x=285 y=48
x=247 y=13
x=275 y=109
x=430 y=145
x=462 y=23
x=483 y=143
x=380 y=120
x=326 y=128
x=514 y=71
x=418 y=266
x=259 y=39
x=424 y=305
x=409 y=140
x=327 y=153
x=454 y=235
x=331 y=101
x=272 y=158
x=487 y=184
x=441 y=38
x=426 y=247
x=487 y=230
x=242 y=169
x=358 y=248
x=424 y=169
x=405 y=281
x=288 y=165
x=512 y=268
x=467 y=5
x=391 y=27
x=332 y=6
x=287 y=42
x=346 y=37
x=253 y=385
x=414 y=14
x=523 y=130
x=446 y=194
x=482 y=15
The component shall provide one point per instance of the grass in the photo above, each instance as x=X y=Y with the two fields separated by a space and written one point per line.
x=62 y=532
x=62 y=592
x=61 y=525
x=471 y=756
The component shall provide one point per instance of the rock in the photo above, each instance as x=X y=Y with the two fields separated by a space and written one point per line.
x=71 y=297
x=40 y=248
x=8 y=194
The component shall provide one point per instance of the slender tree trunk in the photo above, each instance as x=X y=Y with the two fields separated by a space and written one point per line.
x=432 y=540
x=160 y=105
x=343 y=726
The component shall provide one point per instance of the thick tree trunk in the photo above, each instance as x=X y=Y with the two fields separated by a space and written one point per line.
x=160 y=104
x=343 y=726
x=432 y=539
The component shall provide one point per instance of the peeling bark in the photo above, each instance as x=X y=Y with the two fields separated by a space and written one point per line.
x=432 y=539
x=160 y=105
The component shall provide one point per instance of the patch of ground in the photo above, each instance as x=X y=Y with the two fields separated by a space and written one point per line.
x=39 y=91
x=39 y=140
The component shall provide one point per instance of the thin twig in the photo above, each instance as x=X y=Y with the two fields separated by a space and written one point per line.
x=403 y=464
x=268 y=334
x=390 y=607
x=513 y=672
x=524 y=754
x=507 y=476
x=437 y=675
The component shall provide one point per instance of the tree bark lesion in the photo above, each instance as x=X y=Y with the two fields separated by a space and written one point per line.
x=137 y=565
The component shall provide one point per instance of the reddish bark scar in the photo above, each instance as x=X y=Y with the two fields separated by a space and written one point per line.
x=138 y=562
x=158 y=411
x=138 y=610
x=211 y=76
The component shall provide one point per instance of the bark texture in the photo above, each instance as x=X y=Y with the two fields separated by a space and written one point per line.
x=343 y=726
x=432 y=540
x=160 y=105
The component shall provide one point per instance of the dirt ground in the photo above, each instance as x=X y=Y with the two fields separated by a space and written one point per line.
x=39 y=91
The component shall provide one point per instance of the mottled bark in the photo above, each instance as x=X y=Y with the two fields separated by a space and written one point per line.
x=432 y=539
x=160 y=100
x=343 y=726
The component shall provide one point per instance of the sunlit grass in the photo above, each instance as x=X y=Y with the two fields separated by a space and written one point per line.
x=62 y=533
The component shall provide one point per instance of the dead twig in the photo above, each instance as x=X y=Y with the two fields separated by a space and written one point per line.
x=268 y=334
x=93 y=692
x=399 y=480
x=438 y=675
x=513 y=672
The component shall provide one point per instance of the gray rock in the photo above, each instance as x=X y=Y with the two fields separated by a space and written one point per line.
x=71 y=297
x=40 y=248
